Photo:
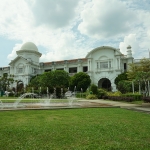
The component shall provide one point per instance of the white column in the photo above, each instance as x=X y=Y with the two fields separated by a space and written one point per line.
x=90 y=65
x=66 y=68
x=79 y=68
x=117 y=67
x=119 y=63
x=89 y=69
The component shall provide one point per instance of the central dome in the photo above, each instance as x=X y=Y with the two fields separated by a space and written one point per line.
x=29 y=46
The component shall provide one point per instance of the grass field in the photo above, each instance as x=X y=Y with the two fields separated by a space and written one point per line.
x=75 y=129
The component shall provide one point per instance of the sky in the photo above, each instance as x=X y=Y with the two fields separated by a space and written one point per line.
x=69 y=29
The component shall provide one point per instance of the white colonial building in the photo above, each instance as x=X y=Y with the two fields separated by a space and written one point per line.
x=102 y=64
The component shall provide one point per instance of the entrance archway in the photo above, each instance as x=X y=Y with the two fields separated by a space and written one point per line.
x=20 y=86
x=105 y=84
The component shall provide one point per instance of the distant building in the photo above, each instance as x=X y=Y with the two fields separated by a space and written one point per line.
x=102 y=64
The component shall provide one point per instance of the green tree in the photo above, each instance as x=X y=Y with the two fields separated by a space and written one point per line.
x=125 y=86
x=140 y=74
x=5 y=81
x=81 y=81
x=120 y=77
x=94 y=89
x=60 y=78
x=53 y=79
x=142 y=66
x=35 y=82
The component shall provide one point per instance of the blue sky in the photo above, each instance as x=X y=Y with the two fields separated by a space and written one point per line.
x=68 y=29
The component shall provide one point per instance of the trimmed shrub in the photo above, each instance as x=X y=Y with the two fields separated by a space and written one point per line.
x=129 y=97
x=94 y=89
x=117 y=93
x=121 y=98
x=102 y=94
x=135 y=96
x=91 y=96
x=146 y=99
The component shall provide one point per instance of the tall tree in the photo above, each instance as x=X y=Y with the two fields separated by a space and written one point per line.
x=140 y=73
x=6 y=81
x=51 y=80
x=142 y=66
x=80 y=80
x=120 y=77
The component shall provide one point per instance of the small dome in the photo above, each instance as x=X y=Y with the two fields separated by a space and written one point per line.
x=29 y=46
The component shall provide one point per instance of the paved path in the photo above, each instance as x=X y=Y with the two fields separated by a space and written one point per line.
x=122 y=105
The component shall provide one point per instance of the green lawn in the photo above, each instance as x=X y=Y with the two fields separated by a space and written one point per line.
x=75 y=129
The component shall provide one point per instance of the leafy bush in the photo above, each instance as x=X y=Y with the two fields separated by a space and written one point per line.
x=121 y=98
x=129 y=97
x=91 y=92
x=115 y=98
x=120 y=77
x=80 y=80
x=94 y=89
x=124 y=86
x=146 y=99
x=136 y=96
x=117 y=93
x=11 y=94
x=91 y=96
x=101 y=93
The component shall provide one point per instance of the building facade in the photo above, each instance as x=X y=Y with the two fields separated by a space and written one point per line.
x=102 y=64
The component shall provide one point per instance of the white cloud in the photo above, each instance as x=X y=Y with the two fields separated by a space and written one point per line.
x=68 y=29
x=13 y=54
x=105 y=18
x=55 y=14
x=18 y=24
x=66 y=48
x=16 y=19
x=129 y=40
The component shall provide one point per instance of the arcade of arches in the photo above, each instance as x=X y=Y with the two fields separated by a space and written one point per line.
x=105 y=84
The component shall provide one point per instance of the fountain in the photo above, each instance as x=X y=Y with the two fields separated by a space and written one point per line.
x=40 y=102
x=71 y=96
x=47 y=101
